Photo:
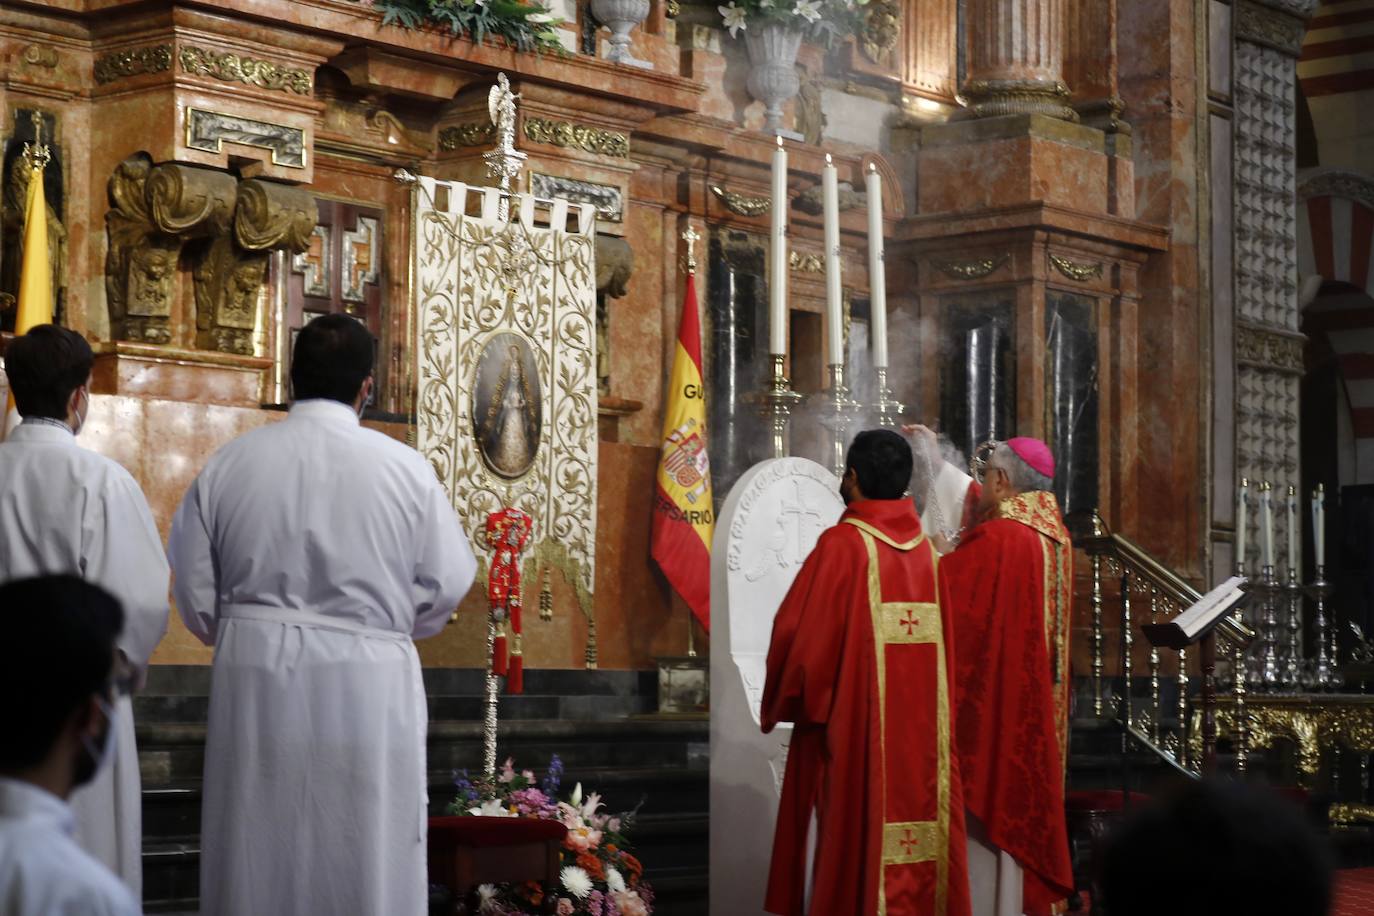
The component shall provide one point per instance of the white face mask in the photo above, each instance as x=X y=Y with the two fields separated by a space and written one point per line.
x=81 y=416
x=104 y=754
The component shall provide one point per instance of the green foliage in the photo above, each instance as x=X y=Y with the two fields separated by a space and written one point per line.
x=523 y=27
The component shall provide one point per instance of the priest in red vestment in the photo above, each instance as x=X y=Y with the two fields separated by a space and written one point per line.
x=1007 y=588
x=861 y=663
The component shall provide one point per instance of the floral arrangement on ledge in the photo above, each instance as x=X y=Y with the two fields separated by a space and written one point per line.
x=522 y=26
x=599 y=877
x=818 y=20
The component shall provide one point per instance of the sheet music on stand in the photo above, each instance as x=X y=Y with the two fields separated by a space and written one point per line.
x=1199 y=619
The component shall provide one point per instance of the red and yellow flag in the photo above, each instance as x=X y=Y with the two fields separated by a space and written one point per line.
x=684 y=516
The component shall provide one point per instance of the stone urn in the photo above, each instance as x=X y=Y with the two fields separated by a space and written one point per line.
x=773 y=80
x=621 y=16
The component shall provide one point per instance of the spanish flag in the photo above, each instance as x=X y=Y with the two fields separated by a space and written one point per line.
x=683 y=513
x=35 y=272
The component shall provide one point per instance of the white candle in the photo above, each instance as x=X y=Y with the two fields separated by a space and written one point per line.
x=834 y=311
x=1242 y=521
x=1319 y=524
x=1293 y=533
x=877 y=276
x=777 y=313
x=1267 y=521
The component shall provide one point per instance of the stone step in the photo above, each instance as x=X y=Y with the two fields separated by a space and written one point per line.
x=171 y=753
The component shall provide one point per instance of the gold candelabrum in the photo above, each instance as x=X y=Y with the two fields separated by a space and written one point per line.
x=837 y=413
x=888 y=409
x=776 y=403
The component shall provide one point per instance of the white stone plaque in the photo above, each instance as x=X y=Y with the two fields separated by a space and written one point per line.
x=768 y=526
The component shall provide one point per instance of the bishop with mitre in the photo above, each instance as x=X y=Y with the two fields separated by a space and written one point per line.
x=860 y=665
x=1007 y=588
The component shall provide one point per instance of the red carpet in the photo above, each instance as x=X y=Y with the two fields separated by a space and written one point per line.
x=1354 y=892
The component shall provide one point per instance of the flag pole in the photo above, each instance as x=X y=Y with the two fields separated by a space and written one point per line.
x=690 y=237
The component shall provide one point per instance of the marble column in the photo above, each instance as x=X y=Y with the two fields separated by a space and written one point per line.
x=1016 y=59
x=1268 y=345
x=1090 y=62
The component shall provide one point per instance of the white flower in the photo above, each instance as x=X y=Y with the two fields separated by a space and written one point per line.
x=765 y=4
x=576 y=799
x=614 y=881
x=487 y=895
x=734 y=18
x=810 y=10
x=492 y=807
x=577 y=882
x=590 y=805
x=537 y=17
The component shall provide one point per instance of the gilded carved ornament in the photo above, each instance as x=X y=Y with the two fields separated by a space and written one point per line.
x=233 y=68
x=994 y=98
x=1314 y=726
x=596 y=140
x=40 y=56
x=881 y=28
x=120 y=64
x=1077 y=270
x=806 y=263
x=1272 y=28
x=472 y=133
x=971 y=268
x=742 y=204
x=1268 y=349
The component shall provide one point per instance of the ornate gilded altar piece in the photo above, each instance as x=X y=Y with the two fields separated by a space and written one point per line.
x=505 y=305
x=1313 y=722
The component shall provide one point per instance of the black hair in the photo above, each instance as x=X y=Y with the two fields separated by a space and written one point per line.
x=1217 y=847
x=45 y=365
x=62 y=630
x=332 y=359
x=881 y=460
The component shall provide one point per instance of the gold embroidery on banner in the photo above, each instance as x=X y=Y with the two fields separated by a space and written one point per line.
x=881 y=612
x=914 y=841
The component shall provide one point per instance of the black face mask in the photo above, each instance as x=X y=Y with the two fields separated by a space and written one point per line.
x=96 y=753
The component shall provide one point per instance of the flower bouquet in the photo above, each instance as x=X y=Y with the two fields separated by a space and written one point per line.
x=522 y=26
x=599 y=876
x=817 y=20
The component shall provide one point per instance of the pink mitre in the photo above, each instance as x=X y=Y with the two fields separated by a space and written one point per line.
x=1035 y=453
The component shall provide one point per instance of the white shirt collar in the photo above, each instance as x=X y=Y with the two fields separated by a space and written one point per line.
x=324 y=409
x=25 y=801
x=35 y=429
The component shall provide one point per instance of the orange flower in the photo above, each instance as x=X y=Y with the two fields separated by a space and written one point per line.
x=534 y=893
x=632 y=865
x=592 y=866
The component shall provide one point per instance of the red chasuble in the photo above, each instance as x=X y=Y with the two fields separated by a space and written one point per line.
x=1007 y=588
x=860 y=663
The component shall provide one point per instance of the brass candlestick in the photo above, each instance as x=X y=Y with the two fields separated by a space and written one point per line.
x=887 y=407
x=837 y=413
x=776 y=403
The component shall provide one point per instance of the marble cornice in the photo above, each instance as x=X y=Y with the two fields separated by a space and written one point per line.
x=1275 y=349
x=1116 y=230
x=1272 y=25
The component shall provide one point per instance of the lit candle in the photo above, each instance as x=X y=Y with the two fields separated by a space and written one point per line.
x=1319 y=524
x=1242 y=522
x=1267 y=522
x=1293 y=533
x=877 y=277
x=777 y=313
x=834 y=317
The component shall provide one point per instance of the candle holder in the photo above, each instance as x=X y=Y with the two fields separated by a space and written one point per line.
x=776 y=403
x=888 y=408
x=837 y=413
x=1265 y=675
x=1290 y=677
x=1322 y=675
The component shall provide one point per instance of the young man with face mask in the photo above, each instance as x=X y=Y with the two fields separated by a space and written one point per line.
x=56 y=718
x=860 y=665
x=65 y=509
x=310 y=553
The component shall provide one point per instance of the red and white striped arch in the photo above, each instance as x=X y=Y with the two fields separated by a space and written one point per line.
x=1336 y=244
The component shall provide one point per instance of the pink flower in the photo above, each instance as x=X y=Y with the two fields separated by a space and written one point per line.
x=630 y=904
x=565 y=906
x=583 y=838
x=507 y=770
x=529 y=775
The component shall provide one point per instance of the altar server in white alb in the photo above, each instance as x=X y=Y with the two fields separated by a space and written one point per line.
x=57 y=721
x=309 y=553
x=65 y=509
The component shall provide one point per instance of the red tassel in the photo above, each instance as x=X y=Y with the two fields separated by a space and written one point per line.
x=498 y=656
x=515 y=681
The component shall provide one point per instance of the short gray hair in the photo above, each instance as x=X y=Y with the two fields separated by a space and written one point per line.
x=1023 y=477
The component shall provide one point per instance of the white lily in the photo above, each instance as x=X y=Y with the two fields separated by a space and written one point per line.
x=810 y=10
x=734 y=18
x=492 y=807
x=590 y=805
x=576 y=799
